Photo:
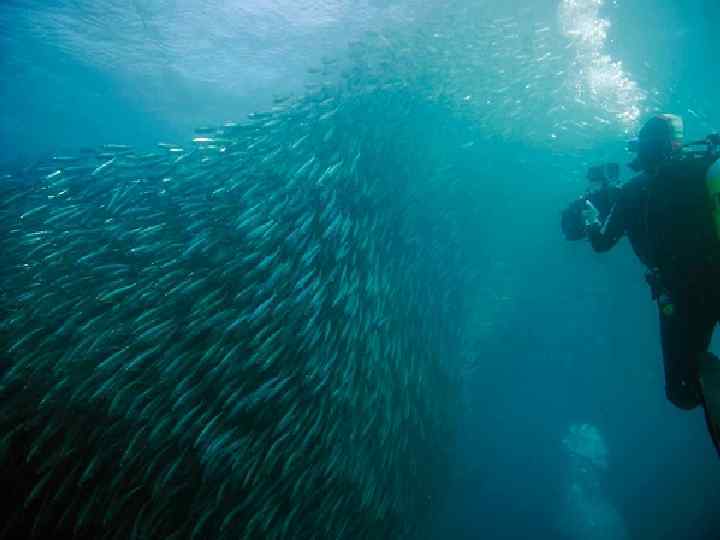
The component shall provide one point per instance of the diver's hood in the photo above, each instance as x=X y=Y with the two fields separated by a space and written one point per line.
x=658 y=139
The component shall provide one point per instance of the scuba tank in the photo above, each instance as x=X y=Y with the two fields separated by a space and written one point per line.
x=712 y=182
x=710 y=155
x=683 y=212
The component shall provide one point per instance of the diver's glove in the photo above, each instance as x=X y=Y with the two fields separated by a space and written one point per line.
x=591 y=216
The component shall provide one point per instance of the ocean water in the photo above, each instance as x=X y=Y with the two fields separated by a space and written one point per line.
x=282 y=269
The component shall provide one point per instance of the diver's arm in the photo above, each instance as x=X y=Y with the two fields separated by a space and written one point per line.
x=604 y=235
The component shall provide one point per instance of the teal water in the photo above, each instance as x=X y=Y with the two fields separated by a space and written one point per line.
x=350 y=314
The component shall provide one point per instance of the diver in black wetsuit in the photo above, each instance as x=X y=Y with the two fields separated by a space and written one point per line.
x=665 y=214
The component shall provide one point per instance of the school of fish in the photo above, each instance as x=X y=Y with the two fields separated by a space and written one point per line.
x=256 y=335
x=240 y=338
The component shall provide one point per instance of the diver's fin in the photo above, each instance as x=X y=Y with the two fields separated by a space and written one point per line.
x=710 y=384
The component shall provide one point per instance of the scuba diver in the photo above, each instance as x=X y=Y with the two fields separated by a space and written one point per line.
x=670 y=213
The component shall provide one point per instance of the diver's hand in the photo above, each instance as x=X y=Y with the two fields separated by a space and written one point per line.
x=591 y=215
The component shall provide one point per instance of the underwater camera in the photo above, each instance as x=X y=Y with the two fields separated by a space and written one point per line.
x=607 y=173
x=601 y=178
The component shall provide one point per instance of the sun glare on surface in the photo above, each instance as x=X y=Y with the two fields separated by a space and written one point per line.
x=600 y=79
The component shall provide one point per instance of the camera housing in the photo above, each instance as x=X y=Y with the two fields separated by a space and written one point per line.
x=601 y=177
x=572 y=223
x=606 y=173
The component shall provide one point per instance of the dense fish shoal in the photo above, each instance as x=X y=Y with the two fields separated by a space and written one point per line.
x=259 y=334
x=247 y=336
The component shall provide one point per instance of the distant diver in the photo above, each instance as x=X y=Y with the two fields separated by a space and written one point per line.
x=670 y=213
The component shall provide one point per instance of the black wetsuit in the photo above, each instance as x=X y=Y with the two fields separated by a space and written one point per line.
x=668 y=222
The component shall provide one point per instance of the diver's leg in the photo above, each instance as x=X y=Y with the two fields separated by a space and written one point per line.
x=685 y=333
x=710 y=385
